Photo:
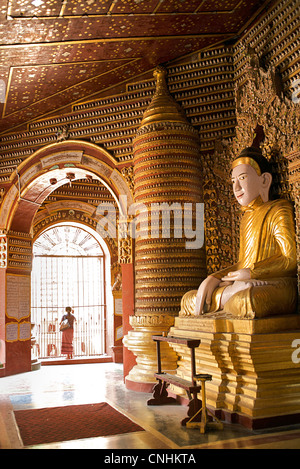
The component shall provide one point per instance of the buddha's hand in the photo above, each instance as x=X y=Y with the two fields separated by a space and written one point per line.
x=241 y=275
x=204 y=294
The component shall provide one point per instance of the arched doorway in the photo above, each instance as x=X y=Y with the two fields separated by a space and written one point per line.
x=30 y=185
x=68 y=269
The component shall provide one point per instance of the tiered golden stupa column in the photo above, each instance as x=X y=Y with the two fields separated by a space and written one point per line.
x=169 y=259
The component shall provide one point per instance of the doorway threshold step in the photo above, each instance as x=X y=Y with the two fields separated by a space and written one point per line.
x=76 y=360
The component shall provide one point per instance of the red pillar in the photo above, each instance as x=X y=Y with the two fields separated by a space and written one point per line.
x=15 y=324
x=128 y=310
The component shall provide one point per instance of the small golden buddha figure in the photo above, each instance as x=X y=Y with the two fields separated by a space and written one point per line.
x=263 y=282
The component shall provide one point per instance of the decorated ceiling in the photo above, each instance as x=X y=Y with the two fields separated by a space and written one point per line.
x=55 y=53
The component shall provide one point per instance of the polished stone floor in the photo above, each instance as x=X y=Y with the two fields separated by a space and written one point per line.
x=61 y=385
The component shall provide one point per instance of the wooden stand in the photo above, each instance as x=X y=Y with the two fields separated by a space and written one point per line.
x=197 y=410
x=208 y=419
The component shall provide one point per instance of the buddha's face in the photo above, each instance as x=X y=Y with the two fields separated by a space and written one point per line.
x=247 y=184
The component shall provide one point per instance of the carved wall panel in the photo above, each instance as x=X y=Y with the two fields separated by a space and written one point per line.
x=15 y=251
x=221 y=210
x=3 y=251
x=167 y=174
x=294 y=180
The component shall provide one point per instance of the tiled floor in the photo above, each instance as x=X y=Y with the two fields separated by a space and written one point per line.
x=53 y=386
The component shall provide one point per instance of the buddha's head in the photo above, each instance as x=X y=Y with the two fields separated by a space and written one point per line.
x=251 y=176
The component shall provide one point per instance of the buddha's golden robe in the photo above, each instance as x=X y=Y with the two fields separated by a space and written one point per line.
x=268 y=248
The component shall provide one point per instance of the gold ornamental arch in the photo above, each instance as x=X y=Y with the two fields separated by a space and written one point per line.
x=51 y=167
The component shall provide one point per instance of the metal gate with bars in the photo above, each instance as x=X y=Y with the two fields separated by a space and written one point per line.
x=68 y=280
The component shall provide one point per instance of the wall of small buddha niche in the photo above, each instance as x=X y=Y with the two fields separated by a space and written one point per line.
x=204 y=84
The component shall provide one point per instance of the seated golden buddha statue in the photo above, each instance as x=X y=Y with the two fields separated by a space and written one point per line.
x=263 y=282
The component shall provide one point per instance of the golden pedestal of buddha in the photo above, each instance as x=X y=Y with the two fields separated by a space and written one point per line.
x=254 y=366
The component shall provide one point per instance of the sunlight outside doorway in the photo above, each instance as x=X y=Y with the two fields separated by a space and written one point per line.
x=68 y=270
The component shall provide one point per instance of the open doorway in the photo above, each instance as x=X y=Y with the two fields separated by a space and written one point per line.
x=68 y=270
